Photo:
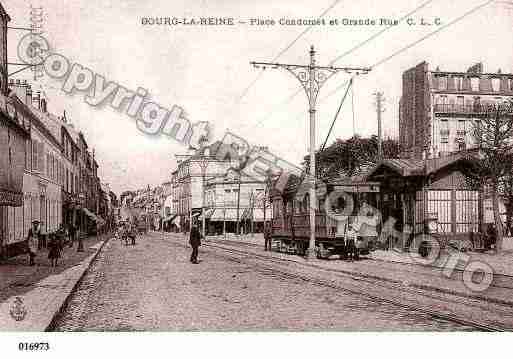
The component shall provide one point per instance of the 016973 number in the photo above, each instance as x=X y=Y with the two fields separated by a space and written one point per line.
x=33 y=347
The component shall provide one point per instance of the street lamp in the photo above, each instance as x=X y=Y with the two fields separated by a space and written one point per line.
x=312 y=77
x=80 y=242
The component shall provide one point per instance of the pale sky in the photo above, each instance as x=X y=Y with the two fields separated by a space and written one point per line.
x=206 y=69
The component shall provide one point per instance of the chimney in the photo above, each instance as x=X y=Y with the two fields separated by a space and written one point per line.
x=36 y=100
x=29 y=94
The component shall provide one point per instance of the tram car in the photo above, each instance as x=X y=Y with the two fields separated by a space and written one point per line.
x=340 y=203
x=142 y=224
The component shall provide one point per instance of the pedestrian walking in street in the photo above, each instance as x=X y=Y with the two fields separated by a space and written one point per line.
x=54 y=249
x=43 y=235
x=131 y=233
x=72 y=232
x=33 y=242
x=126 y=230
x=195 y=242
x=268 y=236
x=62 y=235
x=343 y=249
x=350 y=240
x=491 y=236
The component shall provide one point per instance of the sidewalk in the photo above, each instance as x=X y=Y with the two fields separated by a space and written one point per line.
x=500 y=263
x=43 y=289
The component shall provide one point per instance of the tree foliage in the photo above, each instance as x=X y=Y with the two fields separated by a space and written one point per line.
x=494 y=171
x=349 y=157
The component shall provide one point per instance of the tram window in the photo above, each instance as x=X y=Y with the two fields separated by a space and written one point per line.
x=321 y=204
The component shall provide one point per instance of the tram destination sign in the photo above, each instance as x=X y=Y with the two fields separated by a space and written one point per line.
x=358 y=188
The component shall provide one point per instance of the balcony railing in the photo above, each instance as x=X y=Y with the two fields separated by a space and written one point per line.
x=470 y=109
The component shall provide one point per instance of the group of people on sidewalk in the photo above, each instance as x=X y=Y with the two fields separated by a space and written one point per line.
x=55 y=243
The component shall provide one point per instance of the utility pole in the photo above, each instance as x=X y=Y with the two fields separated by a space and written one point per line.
x=379 y=111
x=203 y=163
x=238 y=205
x=312 y=78
x=252 y=201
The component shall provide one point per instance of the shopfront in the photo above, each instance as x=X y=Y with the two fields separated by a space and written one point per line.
x=14 y=136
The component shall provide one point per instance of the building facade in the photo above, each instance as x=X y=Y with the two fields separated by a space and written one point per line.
x=439 y=110
x=190 y=180
x=233 y=198
x=70 y=194
x=42 y=172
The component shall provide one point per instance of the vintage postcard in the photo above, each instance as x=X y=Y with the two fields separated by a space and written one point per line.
x=255 y=166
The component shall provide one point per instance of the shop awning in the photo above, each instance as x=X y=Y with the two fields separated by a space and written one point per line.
x=255 y=214
x=176 y=221
x=229 y=214
x=208 y=213
x=169 y=218
x=90 y=214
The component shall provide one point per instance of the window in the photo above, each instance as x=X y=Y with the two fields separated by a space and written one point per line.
x=41 y=157
x=474 y=83
x=34 y=155
x=460 y=101
x=477 y=104
x=444 y=131
x=460 y=132
x=442 y=103
x=28 y=155
x=496 y=84
x=458 y=82
x=442 y=83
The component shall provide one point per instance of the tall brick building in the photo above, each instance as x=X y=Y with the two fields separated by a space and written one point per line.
x=438 y=110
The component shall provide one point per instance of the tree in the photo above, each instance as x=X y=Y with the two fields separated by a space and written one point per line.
x=349 y=157
x=494 y=136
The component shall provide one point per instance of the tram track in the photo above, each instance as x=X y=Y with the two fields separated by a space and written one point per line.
x=498 y=277
x=362 y=292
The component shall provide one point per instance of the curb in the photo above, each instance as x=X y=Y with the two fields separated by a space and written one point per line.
x=57 y=315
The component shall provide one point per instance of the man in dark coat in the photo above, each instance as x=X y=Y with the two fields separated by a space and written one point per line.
x=195 y=242
x=72 y=231
x=268 y=236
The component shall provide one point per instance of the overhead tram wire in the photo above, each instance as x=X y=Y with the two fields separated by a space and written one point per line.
x=379 y=33
x=244 y=93
x=361 y=44
x=471 y=11
x=336 y=114
x=387 y=58
x=352 y=110
x=416 y=42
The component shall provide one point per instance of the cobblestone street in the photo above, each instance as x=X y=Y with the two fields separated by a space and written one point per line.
x=152 y=286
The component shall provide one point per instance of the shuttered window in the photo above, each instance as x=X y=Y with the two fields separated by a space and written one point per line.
x=34 y=154
x=41 y=157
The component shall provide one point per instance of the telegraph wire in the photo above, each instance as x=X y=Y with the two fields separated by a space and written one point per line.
x=379 y=33
x=416 y=42
x=286 y=49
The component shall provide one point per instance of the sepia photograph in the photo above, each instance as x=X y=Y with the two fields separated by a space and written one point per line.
x=303 y=174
